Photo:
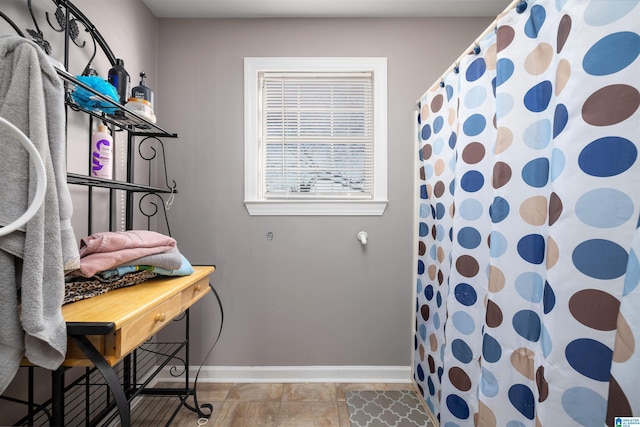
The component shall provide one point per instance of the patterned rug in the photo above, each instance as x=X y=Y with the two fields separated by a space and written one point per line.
x=386 y=409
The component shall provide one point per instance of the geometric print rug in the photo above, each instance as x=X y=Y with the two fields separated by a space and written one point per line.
x=386 y=409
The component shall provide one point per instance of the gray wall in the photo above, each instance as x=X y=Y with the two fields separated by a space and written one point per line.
x=313 y=295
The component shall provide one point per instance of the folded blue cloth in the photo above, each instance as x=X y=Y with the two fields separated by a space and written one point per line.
x=185 y=269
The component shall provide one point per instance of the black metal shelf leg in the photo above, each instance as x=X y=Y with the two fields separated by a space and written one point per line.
x=109 y=375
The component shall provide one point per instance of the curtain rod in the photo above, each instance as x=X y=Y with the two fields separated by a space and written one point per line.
x=471 y=47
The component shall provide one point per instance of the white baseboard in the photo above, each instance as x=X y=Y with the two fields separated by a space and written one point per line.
x=295 y=374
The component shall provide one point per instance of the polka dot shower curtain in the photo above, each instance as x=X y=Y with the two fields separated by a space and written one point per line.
x=528 y=304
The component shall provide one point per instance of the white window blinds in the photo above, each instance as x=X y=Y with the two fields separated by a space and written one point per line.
x=316 y=135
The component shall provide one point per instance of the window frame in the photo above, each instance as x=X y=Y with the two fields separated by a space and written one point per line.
x=253 y=200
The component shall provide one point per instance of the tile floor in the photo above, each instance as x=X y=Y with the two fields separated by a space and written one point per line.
x=266 y=405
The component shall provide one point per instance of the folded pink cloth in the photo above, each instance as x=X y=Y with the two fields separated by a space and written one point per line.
x=103 y=251
x=110 y=241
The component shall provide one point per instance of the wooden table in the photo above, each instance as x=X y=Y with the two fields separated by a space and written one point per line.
x=104 y=329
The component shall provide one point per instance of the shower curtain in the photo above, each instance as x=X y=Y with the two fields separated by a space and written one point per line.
x=528 y=304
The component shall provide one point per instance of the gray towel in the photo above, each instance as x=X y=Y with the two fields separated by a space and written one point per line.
x=32 y=98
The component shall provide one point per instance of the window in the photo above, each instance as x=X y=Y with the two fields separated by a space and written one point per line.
x=315 y=136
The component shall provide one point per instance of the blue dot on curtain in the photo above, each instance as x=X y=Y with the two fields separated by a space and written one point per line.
x=536 y=172
x=438 y=299
x=436 y=320
x=527 y=324
x=422 y=330
x=470 y=209
x=531 y=248
x=419 y=118
x=538 y=134
x=558 y=162
x=449 y=90
x=475 y=97
x=428 y=292
x=453 y=138
x=545 y=342
x=498 y=244
x=548 y=299
x=504 y=70
x=440 y=210
x=600 y=259
x=432 y=388
x=423 y=192
x=493 y=86
x=585 y=406
x=425 y=210
x=438 y=146
x=474 y=125
x=608 y=156
x=420 y=372
x=461 y=351
x=632 y=278
x=418 y=290
x=423 y=229
x=489 y=385
x=465 y=294
x=530 y=286
x=475 y=70
x=535 y=21
x=469 y=238
x=591 y=358
x=440 y=233
x=560 y=4
x=452 y=187
x=600 y=13
x=521 y=397
x=420 y=267
x=437 y=124
x=433 y=212
x=491 y=350
x=426 y=132
x=612 y=53
x=560 y=119
x=457 y=406
x=463 y=322
x=537 y=98
x=499 y=209
x=452 y=164
x=433 y=252
x=514 y=423
x=504 y=105
x=428 y=171
x=604 y=208
x=472 y=181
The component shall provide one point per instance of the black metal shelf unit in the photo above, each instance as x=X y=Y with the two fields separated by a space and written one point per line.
x=88 y=399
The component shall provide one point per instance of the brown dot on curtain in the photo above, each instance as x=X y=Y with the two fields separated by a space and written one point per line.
x=504 y=36
x=595 y=309
x=563 y=32
x=459 y=379
x=494 y=315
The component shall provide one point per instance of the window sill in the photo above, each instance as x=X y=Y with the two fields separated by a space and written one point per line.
x=325 y=208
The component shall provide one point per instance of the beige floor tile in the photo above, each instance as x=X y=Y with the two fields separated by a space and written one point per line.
x=247 y=414
x=308 y=414
x=309 y=392
x=188 y=418
x=255 y=392
x=213 y=392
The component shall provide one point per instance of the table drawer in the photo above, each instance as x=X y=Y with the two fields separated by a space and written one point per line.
x=194 y=292
x=136 y=332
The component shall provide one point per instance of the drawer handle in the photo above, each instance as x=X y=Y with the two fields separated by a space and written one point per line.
x=198 y=288
x=161 y=317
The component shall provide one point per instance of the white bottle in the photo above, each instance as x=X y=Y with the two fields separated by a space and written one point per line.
x=101 y=150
